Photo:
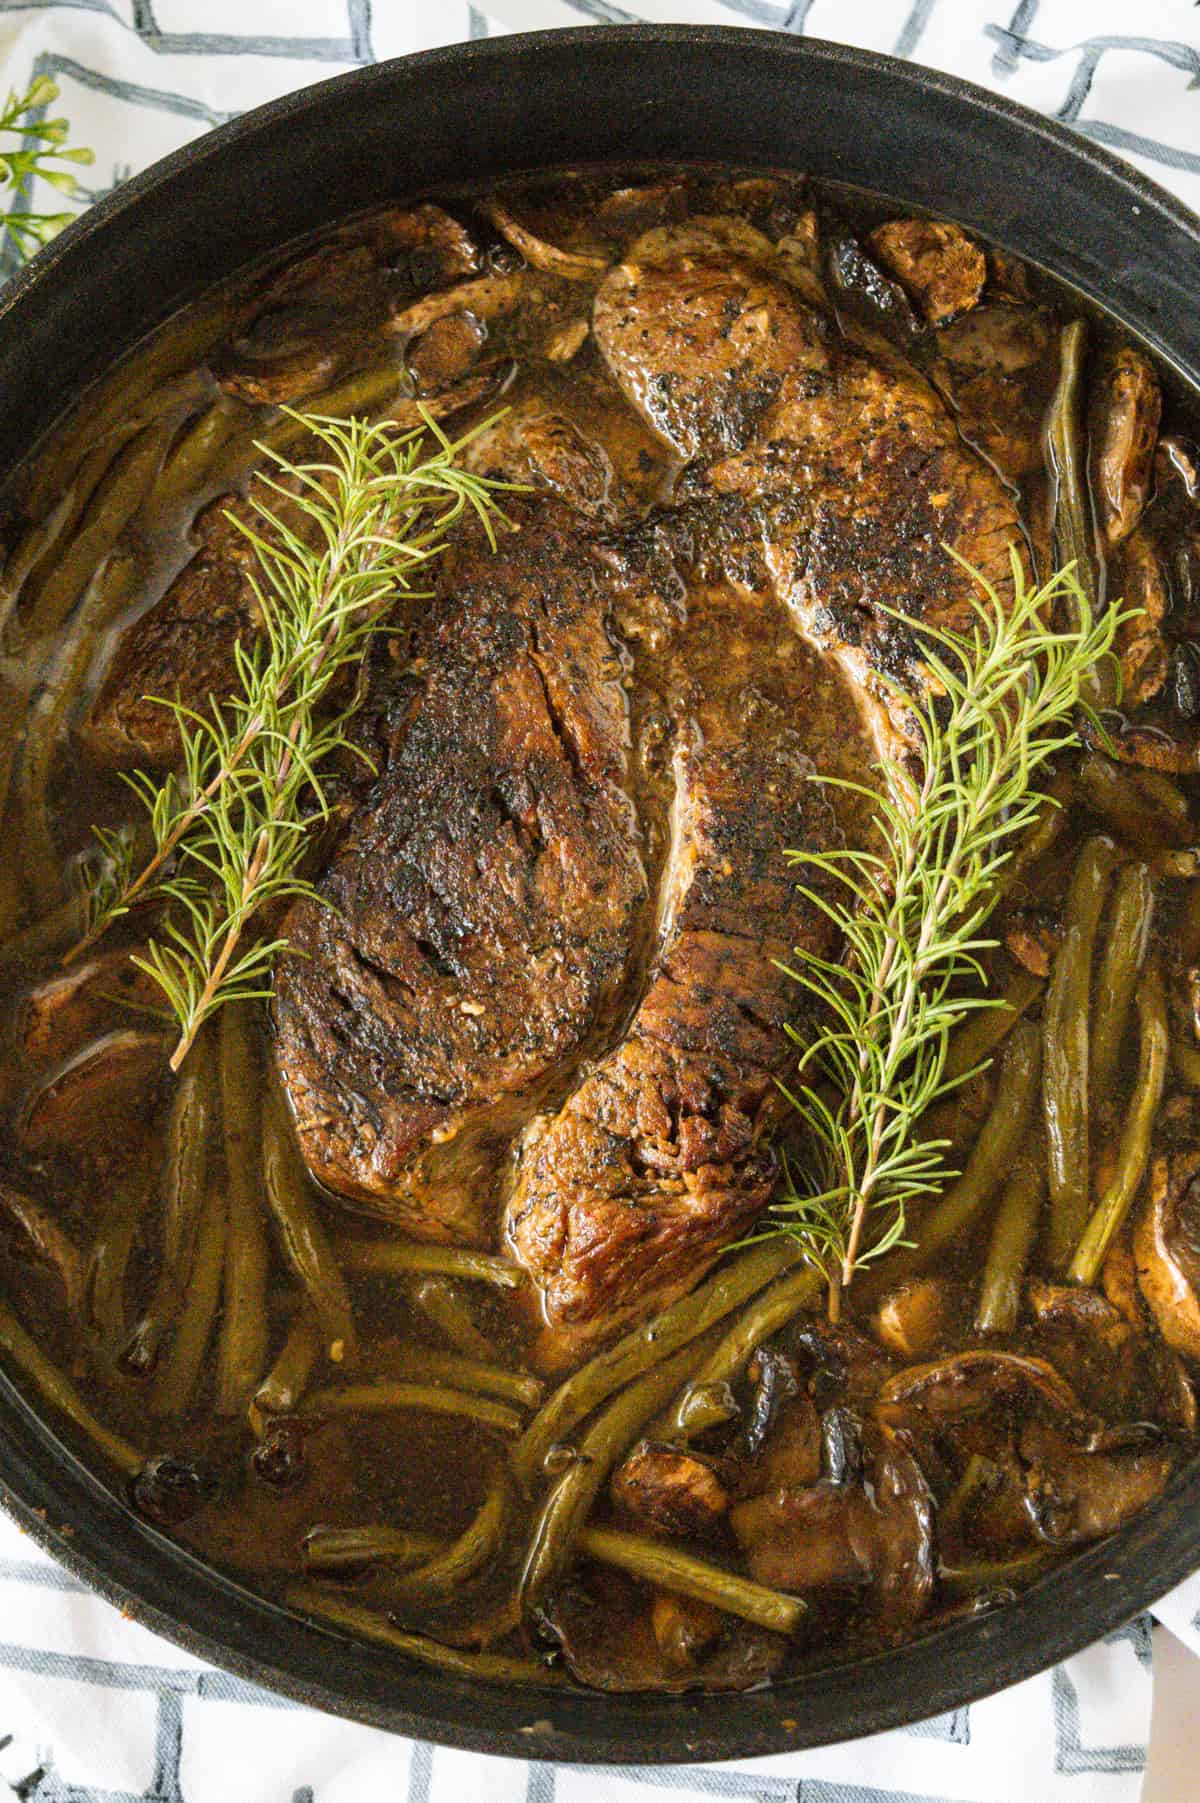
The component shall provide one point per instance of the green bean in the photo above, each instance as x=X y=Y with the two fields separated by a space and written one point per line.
x=400 y=1257
x=179 y=1372
x=1130 y=918
x=564 y=1512
x=133 y=400
x=242 y=1348
x=356 y=395
x=38 y=538
x=183 y=1195
x=670 y=1569
x=1066 y=454
x=304 y=1241
x=1133 y=1151
x=1186 y=1059
x=390 y=1393
x=423 y=1363
x=439 y=1299
x=349 y=1549
x=1065 y=1025
x=690 y=1413
x=46 y=722
x=730 y=1286
x=978 y=1038
x=450 y=1568
x=1013 y=1233
x=108 y=1262
x=191 y=457
x=984 y=1574
x=1000 y=1139
x=113 y=505
x=58 y=1390
x=1041 y=836
x=497 y=1667
x=1130 y=800
x=287 y=1380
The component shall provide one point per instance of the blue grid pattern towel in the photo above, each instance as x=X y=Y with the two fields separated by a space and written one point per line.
x=94 y=1709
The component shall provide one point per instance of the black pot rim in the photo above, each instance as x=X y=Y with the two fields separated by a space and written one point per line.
x=67 y=1510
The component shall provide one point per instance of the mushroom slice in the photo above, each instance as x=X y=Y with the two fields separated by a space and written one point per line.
x=102 y=1085
x=48 y=1242
x=411 y=415
x=612 y=1641
x=571 y=265
x=1166 y=1247
x=670 y=1491
x=1073 y=1495
x=487 y=297
x=1126 y=410
x=1175 y=753
x=940 y=267
x=74 y=1003
x=969 y=1382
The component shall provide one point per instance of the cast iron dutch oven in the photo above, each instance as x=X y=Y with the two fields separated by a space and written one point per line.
x=480 y=112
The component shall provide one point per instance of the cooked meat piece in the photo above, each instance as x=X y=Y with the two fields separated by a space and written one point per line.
x=663 y=1155
x=939 y=265
x=669 y=1491
x=316 y=317
x=109 y=1075
x=912 y=1320
x=1166 y=1246
x=699 y=342
x=1090 y=1343
x=182 y=647
x=660 y=1157
x=850 y=470
x=445 y=353
x=1072 y=1495
x=483 y=902
x=1126 y=408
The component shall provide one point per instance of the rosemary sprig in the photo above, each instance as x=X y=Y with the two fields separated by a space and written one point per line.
x=41 y=143
x=911 y=912
x=229 y=829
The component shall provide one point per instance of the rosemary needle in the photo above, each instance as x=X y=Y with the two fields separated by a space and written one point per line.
x=229 y=829
x=912 y=912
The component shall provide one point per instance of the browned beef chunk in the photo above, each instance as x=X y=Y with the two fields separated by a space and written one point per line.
x=855 y=481
x=182 y=647
x=484 y=900
x=662 y=1155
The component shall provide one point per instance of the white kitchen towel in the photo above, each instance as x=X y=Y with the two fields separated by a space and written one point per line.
x=94 y=1709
